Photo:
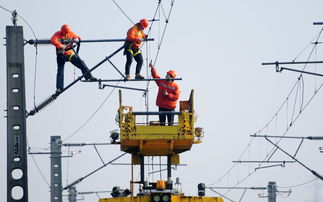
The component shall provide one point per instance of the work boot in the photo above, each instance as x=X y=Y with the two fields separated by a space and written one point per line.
x=92 y=78
x=138 y=76
x=127 y=78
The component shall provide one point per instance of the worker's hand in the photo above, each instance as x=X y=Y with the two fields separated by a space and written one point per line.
x=62 y=49
x=165 y=93
x=151 y=65
x=76 y=40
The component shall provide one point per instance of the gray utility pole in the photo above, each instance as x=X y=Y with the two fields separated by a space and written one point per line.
x=17 y=182
x=271 y=188
x=55 y=169
x=72 y=194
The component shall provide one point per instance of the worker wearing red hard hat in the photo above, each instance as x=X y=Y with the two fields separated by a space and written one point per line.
x=135 y=36
x=168 y=94
x=63 y=41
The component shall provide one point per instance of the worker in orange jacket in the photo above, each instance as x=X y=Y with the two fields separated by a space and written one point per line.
x=133 y=41
x=168 y=94
x=63 y=41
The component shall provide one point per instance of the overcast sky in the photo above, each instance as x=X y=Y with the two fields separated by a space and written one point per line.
x=217 y=47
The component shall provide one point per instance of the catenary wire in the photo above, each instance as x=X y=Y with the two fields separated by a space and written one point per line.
x=38 y=168
x=297 y=185
x=275 y=149
x=275 y=115
x=123 y=11
x=88 y=120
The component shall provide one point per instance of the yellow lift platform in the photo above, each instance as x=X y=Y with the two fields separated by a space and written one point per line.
x=153 y=139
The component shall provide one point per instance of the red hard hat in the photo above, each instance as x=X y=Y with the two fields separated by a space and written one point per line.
x=144 y=23
x=172 y=73
x=65 y=29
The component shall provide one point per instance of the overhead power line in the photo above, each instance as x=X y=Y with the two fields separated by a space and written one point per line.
x=290 y=124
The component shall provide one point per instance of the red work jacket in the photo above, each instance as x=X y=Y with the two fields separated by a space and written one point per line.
x=168 y=101
x=58 y=37
x=134 y=34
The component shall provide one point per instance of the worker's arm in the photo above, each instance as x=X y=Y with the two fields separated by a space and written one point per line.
x=75 y=36
x=155 y=75
x=55 y=40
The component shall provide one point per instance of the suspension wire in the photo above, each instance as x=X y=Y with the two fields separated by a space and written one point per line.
x=146 y=94
x=298 y=185
x=5 y=9
x=38 y=168
x=35 y=76
x=36 y=164
x=292 y=121
x=300 y=78
x=316 y=36
x=164 y=31
x=162 y=8
x=68 y=165
x=165 y=28
x=241 y=155
x=123 y=11
x=88 y=120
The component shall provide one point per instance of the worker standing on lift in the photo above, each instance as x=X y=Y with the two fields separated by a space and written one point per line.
x=168 y=94
x=63 y=41
x=135 y=36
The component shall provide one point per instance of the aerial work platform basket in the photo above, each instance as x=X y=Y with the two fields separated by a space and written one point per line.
x=153 y=139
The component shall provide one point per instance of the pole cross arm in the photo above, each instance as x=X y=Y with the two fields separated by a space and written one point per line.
x=157 y=113
x=47 y=41
x=291 y=63
x=117 y=80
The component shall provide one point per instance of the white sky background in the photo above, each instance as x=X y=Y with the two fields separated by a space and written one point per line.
x=217 y=47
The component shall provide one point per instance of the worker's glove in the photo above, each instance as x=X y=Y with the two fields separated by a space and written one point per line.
x=62 y=49
x=76 y=40
x=151 y=65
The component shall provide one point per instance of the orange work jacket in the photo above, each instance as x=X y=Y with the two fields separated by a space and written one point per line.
x=170 y=100
x=58 y=38
x=134 y=35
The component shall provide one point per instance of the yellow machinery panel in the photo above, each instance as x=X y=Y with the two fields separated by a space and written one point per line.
x=195 y=199
x=127 y=199
x=174 y=198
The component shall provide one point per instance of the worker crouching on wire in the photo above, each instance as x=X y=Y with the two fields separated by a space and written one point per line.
x=168 y=94
x=63 y=41
x=135 y=36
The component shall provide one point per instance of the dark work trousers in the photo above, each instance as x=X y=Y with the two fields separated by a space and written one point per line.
x=138 y=59
x=76 y=61
x=170 y=117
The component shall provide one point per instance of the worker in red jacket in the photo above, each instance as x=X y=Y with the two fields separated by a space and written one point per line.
x=168 y=94
x=63 y=41
x=135 y=36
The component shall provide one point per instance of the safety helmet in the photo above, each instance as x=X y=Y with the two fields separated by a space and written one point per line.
x=172 y=73
x=144 y=23
x=65 y=29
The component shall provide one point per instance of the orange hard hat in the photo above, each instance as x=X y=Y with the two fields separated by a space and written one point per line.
x=65 y=29
x=144 y=23
x=172 y=73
